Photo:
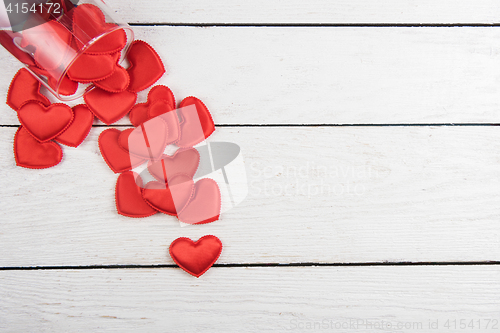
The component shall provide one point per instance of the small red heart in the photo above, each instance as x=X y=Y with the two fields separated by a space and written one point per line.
x=169 y=199
x=139 y=112
x=196 y=124
x=128 y=196
x=68 y=87
x=146 y=66
x=148 y=140
x=80 y=127
x=52 y=42
x=88 y=67
x=88 y=23
x=45 y=123
x=24 y=87
x=30 y=153
x=196 y=257
x=109 y=107
x=115 y=83
x=184 y=161
x=204 y=206
x=117 y=158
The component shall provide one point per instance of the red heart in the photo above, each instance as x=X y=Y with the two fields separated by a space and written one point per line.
x=169 y=199
x=184 y=161
x=68 y=87
x=196 y=257
x=128 y=196
x=88 y=23
x=88 y=68
x=204 y=206
x=80 y=127
x=109 y=107
x=115 y=83
x=24 y=87
x=44 y=123
x=148 y=140
x=146 y=66
x=139 y=112
x=32 y=154
x=52 y=42
x=196 y=124
x=117 y=158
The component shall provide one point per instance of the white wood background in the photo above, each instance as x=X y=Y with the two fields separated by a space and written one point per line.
x=396 y=100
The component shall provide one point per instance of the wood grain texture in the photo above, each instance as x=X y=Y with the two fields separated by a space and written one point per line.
x=312 y=12
x=249 y=299
x=348 y=194
x=326 y=75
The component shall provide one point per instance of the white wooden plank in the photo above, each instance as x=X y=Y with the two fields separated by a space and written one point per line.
x=251 y=299
x=327 y=75
x=312 y=12
x=343 y=194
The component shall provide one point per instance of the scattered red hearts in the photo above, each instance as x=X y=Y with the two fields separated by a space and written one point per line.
x=157 y=123
x=196 y=257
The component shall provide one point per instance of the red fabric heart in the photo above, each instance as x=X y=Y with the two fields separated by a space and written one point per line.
x=24 y=87
x=79 y=128
x=196 y=257
x=117 y=158
x=146 y=66
x=196 y=124
x=148 y=140
x=68 y=87
x=184 y=161
x=117 y=82
x=169 y=199
x=50 y=35
x=45 y=123
x=204 y=206
x=139 y=112
x=89 y=22
x=88 y=68
x=128 y=196
x=109 y=107
x=29 y=153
